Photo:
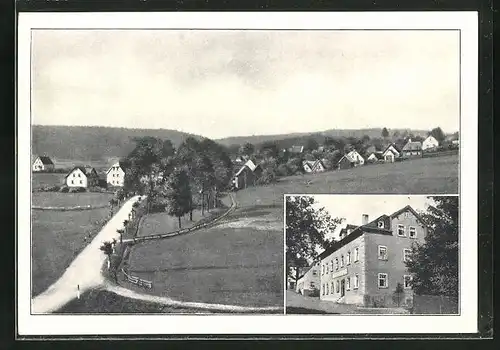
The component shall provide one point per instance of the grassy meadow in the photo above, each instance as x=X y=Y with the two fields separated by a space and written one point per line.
x=56 y=238
x=57 y=199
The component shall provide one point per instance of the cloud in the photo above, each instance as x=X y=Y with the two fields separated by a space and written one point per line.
x=226 y=83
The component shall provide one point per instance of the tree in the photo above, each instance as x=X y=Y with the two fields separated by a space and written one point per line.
x=438 y=134
x=107 y=248
x=434 y=264
x=306 y=227
x=311 y=144
x=270 y=149
x=395 y=135
x=247 y=149
x=398 y=293
x=385 y=133
x=178 y=194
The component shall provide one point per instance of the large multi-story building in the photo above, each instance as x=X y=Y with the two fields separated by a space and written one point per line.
x=368 y=262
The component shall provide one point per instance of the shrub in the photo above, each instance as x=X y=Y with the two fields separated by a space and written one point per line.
x=64 y=189
x=77 y=190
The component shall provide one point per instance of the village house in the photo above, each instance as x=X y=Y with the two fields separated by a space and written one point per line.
x=296 y=149
x=313 y=166
x=82 y=176
x=240 y=159
x=309 y=283
x=350 y=160
x=246 y=176
x=365 y=266
x=390 y=153
x=412 y=149
x=43 y=163
x=430 y=143
x=375 y=157
x=115 y=176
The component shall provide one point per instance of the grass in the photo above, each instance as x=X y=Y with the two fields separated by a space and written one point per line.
x=241 y=266
x=57 y=237
x=437 y=175
x=57 y=199
x=47 y=179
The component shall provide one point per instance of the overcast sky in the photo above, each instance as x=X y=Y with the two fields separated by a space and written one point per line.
x=232 y=83
x=352 y=207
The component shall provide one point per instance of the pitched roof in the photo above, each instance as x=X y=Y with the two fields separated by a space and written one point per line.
x=378 y=155
x=87 y=170
x=389 y=146
x=249 y=164
x=371 y=227
x=119 y=164
x=413 y=146
x=45 y=160
x=352 y=155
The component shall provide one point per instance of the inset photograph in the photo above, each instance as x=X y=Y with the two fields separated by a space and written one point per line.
x=372 y=254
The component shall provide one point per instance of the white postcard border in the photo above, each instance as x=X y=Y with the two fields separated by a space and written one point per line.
x=467 y=22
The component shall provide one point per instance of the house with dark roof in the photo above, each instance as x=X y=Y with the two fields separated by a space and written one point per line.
x=375 y=157
x=391 y=153
x=313 y=166
x=43 y=163
x=350 y=160
x=82 y=176
x=412 y=149
x=366 y=264
x=308 y=283
x=246 y=175
x=115 y=176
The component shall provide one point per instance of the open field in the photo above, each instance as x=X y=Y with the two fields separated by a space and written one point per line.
x=57 y=237
x=227 y=264
x=47 y=179
x=56 y=199
x=418 y=176
x=158 y=223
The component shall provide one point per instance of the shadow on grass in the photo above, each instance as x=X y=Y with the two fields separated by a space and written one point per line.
x=303 y=310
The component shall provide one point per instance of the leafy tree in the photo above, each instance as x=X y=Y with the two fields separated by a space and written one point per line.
x=396 y=134
x=107 y=248
x=385 y=133
x=398 y=293
x=332 y=158
x=306 y=227
x=294 y=165
x=438 y=134
x=177 y=193
x=329 y=141
x=311 y=144
x=270 y=149
x=434 y=264
x=247 y=149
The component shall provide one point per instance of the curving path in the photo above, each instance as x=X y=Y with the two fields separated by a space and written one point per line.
x=85 y=270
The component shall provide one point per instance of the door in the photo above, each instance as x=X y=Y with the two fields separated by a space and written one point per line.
x=390 y=158
x=342 y=288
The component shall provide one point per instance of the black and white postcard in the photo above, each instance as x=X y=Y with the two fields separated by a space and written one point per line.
x=247 y=173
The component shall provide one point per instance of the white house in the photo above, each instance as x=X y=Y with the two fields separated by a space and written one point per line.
x=43 y=163
x=390 y=154
x=375 y=157
x=313 y=166
x=115 y=176
x=429 y=143
x=355 y=157
x=81 y=176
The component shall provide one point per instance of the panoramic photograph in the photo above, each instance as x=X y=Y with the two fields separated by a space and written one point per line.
x=372 y=254
x=160 y=160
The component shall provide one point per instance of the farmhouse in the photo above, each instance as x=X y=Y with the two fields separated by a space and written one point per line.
x=350 y=160
x=115 y=176
x=367 y=263
x=375 y=157
x=309 y=283
x=430 y=143
x=246 y=176
x=412 y=149
x=313 y=166
x=240 y=159
x=43 y=163
x=82 y=176
x=390 y=153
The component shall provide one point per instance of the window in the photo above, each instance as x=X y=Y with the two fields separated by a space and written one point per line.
x=311 y=285
x=336 y=263
x=322 y=269
x=382 y=252
x=356 y=282
x=407 y=281
x=332 y=265
x=382 y=280
x=413 y=232
x=79 y=175
x=348 y=283
x=337 y=287
x=74 y=175
x=327 y=289
x=80 y=182
x=380 y=224
x=331 y=288
x=406 y=254
x=407 y=214
x=315 y=273
x=72 y=182
x=356 y=254
x=401 y=230
x=326 y=268
x=341 y=261
x=348 y=258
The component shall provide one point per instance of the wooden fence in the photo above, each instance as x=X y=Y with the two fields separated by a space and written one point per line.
x=138 y=281
x=186 y=230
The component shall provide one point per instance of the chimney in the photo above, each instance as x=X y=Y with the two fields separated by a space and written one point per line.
x=364 y=219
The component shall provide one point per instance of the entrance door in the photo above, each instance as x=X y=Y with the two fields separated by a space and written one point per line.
x=390 y=158
x=342 y=288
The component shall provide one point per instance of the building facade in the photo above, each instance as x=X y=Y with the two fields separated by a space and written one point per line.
x=246 y=176
x=390 y=154
x=115 y=176
x=366 y=265
x=430 y=143
x=82 y=177
x=412 y=149
x=309 y=283
x=43 y=163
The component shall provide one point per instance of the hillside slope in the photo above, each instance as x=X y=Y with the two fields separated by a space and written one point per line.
x=89 y=143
